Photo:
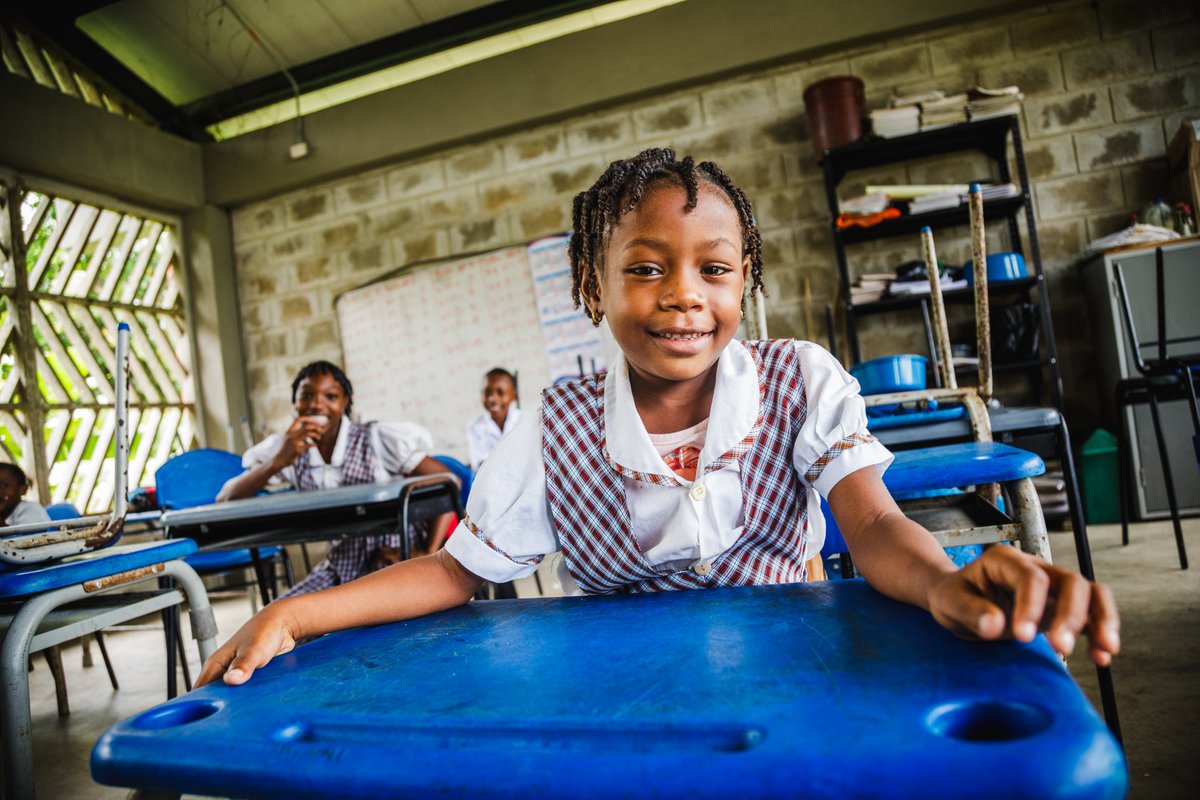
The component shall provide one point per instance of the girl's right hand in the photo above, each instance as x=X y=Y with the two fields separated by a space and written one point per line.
x=267 y=634
x=303 y=434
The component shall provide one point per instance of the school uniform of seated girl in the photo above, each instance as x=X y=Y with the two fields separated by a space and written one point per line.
x=323 y=449
x=13 y=509
x=500 y=415
x=696 y=462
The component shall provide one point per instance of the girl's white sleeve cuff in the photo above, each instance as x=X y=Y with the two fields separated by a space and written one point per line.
x=482 y=558
x=852 y=459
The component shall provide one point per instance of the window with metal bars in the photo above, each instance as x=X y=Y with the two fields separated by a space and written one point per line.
x=69 y=273
x=25 y=53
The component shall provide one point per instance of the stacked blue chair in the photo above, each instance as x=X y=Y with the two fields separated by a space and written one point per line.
x=193 y=479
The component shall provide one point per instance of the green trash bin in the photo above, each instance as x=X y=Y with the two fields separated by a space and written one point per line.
x=1098 y=463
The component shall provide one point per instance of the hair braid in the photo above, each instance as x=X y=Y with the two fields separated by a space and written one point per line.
x=621 y=187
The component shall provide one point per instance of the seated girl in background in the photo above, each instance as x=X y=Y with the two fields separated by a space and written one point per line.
x=696 y=461
x=499 y=417
x=13 y=509
x=322 y=449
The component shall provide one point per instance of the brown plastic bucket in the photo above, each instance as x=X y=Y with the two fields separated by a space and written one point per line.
x=835 y=109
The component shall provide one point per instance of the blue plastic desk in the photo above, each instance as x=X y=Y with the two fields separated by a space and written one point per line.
x=38 y=623
x=807 y=690
x=291 y=517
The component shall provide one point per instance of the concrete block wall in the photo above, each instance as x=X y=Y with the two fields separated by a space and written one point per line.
x=1106 y=85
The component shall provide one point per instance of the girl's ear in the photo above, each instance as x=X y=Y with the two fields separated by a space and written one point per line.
x=746 y=268
x=589 y=290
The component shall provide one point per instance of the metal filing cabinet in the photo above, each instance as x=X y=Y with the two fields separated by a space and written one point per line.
x=1114 y=360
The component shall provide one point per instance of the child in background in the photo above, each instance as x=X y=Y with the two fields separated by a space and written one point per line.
x=13 y=510
x=663 y=249
x=322 y=449
x=500 y=415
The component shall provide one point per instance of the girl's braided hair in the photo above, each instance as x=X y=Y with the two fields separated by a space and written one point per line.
x=623 y=185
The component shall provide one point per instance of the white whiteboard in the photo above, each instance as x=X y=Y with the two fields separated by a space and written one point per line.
x=416 y=347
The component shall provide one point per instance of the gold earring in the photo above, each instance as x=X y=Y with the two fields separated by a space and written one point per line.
x=596 y=317
x=743 y=313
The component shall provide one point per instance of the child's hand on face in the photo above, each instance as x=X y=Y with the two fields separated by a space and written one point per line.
x=303 y=434
x=1007 y=593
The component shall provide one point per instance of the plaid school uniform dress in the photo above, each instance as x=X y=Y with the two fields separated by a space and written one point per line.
x=348 y=558
x=586 y=489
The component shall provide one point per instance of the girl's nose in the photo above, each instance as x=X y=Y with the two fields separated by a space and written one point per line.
x=681 y=292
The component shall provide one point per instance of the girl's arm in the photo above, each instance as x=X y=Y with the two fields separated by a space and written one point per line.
x=442 y=524
x=409 y=589
x=1005 y=592
x=300 y=437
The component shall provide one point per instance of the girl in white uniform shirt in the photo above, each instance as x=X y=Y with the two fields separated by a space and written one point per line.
x=499 y=417
x=13 y=509
x=696 y=462
x=322 y=449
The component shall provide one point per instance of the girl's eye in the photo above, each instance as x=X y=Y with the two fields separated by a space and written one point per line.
x=716 y=269
x=643 y=269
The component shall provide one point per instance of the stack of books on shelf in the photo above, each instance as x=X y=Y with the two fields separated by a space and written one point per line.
x=937 y=200
x=943 y=112
x=983 y=103
x=870 y=287
x=890 y=122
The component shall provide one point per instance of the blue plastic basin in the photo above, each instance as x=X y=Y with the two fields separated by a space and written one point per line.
x=900 y=373
x=1000 y=267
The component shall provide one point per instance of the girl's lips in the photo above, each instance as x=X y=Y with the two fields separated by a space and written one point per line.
x=682 y=342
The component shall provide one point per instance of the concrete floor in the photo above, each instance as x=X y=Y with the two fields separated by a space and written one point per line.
x=1157 y=676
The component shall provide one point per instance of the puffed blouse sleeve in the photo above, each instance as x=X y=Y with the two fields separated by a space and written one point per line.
x=833 y=441
x=402 y=446
x=507 y=531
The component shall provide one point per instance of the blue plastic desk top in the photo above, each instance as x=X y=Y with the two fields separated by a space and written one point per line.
x=287 y=517
x=806 y=690
x=89 y=566
x=1004 y=420
x=956 y=465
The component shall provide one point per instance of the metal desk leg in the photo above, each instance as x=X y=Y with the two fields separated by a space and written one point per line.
x=1028 y=514
x=1083 y=551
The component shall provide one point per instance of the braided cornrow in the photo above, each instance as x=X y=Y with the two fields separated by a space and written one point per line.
x=597 y=210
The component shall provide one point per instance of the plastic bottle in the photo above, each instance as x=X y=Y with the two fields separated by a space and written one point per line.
x=1185 y=225
x=1159 y=213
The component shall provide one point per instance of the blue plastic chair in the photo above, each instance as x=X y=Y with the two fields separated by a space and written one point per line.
x=193 y=479
x=460 y=471
x=57 y=511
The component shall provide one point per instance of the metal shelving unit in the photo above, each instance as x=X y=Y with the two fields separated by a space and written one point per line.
x=993 y=138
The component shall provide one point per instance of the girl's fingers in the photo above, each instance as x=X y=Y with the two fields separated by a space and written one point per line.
x=966 y=612
x=213 y=668
x=1104 y=624
x=1025 y=577
x=1072 y=598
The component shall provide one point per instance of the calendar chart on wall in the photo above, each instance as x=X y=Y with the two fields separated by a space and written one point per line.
x=416 y=346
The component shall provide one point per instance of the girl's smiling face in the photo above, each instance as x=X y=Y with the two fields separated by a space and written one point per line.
x=671 y=283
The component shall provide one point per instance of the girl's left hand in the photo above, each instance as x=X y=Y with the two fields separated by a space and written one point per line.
x=1008 y=593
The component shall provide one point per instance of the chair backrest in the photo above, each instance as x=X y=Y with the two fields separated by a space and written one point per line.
x=460 y=471
x=58 y=511
x=194 y=478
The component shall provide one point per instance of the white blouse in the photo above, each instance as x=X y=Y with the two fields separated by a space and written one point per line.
x=26 y=512
x=483 y=434
x=398 y=446
x=508 y=502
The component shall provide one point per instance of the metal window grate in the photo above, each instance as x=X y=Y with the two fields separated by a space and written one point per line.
x=69 y=272
x=25 y=53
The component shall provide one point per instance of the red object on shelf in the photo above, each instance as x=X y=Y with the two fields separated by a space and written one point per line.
x=835 y=107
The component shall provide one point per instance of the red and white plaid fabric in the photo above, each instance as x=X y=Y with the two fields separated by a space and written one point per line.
x=347 y=559
x=586 y=492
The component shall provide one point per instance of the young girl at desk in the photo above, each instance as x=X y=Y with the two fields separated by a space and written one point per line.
x=696 y=461
x=500 y=415
x=14 y=510
x=322 y=449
